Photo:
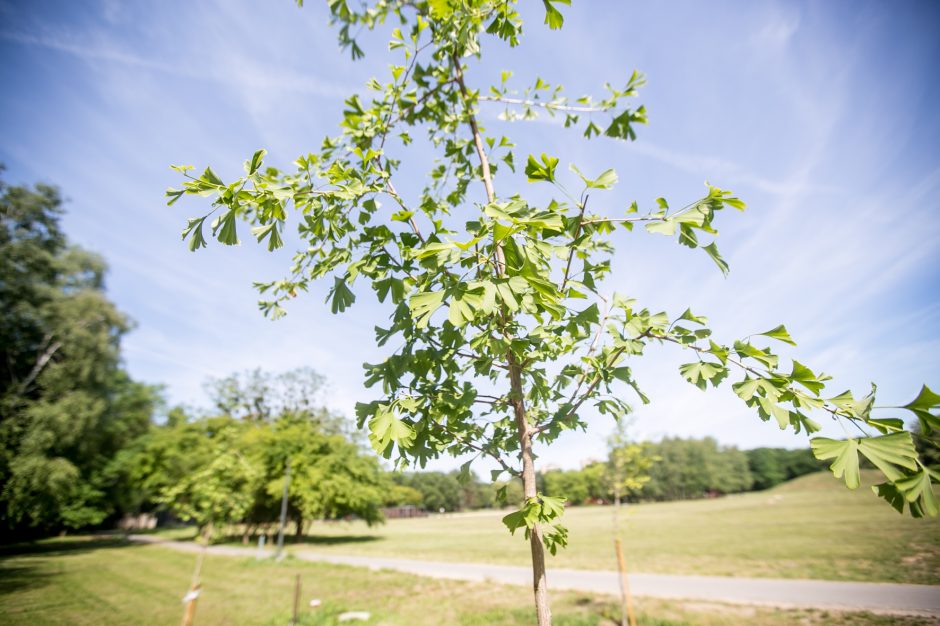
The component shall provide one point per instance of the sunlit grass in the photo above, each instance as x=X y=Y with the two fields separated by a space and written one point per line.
x=810 y=528
x=81 y=581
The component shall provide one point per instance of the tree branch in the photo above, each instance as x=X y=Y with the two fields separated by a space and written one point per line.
x=551 y=106
x=44 y=357
x=577 y=233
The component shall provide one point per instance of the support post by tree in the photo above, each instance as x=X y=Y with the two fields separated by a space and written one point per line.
x=283 y=520
x=627 y=467
x=195 y=587
x=293 y=619
x=504 y=334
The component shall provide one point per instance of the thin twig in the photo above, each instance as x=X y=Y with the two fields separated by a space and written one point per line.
x=553 y=106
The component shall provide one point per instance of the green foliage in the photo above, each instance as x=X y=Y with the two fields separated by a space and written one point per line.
x=521 y=281
x=771 y=466
x=67 y=406
x=693 y=468
x=436 y=490
x=225 y=469
x=628 y=463
x=540 y=510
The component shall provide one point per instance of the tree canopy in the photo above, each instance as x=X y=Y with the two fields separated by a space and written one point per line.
x=67 y=405
x=222 y=469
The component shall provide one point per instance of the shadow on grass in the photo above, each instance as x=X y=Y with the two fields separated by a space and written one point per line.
x=14 y=578
x=24 y=565
x=306 y=540
x=63 y=545
x=330 y=540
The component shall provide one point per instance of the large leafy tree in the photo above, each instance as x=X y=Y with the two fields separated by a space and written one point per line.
x=224 y=469
x=330 y=476
x=502 y=334
x=66 y=404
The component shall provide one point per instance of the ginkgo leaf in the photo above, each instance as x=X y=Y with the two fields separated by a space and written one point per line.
x=712 y=250
x=700 y=372
x=780 y=334
x=922 y=405
x=340 y=296
x=889 y=452
x=386 y=428
x=845 y=453
x=423 y=305
x=918 y=490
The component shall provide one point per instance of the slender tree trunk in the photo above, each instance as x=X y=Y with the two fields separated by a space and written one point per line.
x=539 y=579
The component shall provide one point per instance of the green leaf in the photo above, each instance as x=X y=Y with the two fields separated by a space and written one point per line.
x=194 y=230
x=270 y=230
x=765 y=357
x=514 y=521
x=210 y=177
x=434 y=249
x=461 y=312
x=441 y=9
x=224 y=229
x=173 y=195
x=665 y=227
x=780 y=334
x=918 y=489
x=845 y=454
x=700 y=372
x=392 y=285
x=252 y=165
x=541 y=171
x=855 y=408
x=805 y=376
x=553 y=16
x=891 y=494
x=712 y=251
x=889 y=452
x=887 y=425
x=423 y=305
x=606 y=180
x=922 y=405
x=340 y=296
x=721 y=352
x=386 y=428
x=698 y=319
x=552 y=507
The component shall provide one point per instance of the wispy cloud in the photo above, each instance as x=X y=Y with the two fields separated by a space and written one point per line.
x=245 y=75
x=777 y=30
x=727 y=171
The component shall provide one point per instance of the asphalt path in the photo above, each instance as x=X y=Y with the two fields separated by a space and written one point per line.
x=890 y=598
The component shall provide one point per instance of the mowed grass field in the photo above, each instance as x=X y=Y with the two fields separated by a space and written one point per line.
x=812 y=527
x=105 y=582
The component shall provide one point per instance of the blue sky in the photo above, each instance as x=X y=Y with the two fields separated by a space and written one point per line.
x=821 y=115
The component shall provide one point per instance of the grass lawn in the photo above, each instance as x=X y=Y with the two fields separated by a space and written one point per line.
x=812 y=527
x=105 y=582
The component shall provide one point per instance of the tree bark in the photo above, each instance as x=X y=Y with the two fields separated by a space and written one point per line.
x=530 y=490
x=539 y=579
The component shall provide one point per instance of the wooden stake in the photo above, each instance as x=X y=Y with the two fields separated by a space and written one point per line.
x=624 y=586
x=293 y=619
x=189 y=613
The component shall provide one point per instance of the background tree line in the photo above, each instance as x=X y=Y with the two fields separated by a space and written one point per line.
x=687 y=469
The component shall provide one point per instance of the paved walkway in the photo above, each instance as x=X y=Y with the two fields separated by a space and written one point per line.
x=820 y=594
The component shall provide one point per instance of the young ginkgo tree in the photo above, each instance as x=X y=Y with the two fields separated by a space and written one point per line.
x=489 y=292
